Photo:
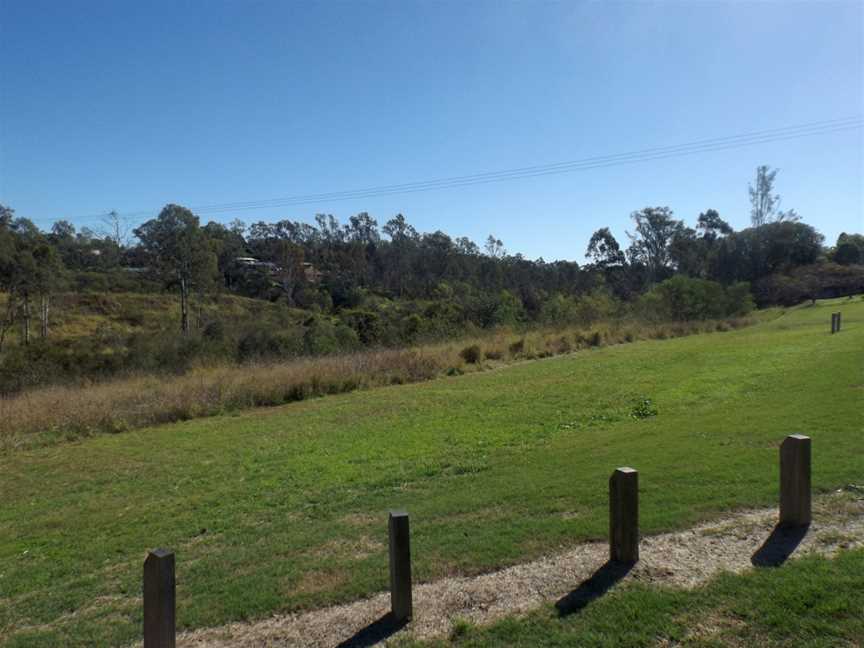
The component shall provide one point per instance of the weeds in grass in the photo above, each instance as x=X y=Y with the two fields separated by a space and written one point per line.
x=459 y=629
x=643 y=409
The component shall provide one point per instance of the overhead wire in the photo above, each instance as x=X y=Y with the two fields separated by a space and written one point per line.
x=596 y=162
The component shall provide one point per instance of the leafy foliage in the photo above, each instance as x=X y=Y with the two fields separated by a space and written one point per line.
x=357 y=285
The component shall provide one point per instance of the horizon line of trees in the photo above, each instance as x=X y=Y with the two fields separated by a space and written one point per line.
x=174 y=251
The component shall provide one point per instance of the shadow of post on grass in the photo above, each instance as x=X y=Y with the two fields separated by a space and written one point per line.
x=375 y=632
x=779 y=545
x=593 y=587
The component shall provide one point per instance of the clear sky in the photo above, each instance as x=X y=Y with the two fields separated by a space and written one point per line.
x=130 y=105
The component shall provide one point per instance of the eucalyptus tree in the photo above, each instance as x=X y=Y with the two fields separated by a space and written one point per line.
x=179 y=253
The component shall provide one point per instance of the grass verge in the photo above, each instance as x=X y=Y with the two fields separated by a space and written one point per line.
x=810 y=602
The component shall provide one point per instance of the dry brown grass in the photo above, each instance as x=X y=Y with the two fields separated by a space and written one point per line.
x=53 y=414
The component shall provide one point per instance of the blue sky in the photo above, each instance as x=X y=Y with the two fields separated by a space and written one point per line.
x=128 y=106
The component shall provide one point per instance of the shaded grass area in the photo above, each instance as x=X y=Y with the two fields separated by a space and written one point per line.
x=285 y=508
x=813 y=602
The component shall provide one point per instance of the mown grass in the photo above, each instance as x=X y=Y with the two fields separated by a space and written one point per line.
x=54 y=414
x=814 y=602
x=285 y=508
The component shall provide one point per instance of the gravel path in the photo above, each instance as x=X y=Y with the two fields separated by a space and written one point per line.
x=572 y=579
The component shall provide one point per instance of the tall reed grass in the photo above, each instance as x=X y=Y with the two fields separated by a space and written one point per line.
x=54 y=414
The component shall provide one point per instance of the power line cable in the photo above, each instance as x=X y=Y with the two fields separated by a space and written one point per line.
x=504 y=176
x=803 y=129
x=643 y=155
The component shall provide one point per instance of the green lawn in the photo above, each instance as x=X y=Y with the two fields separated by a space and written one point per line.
x=813 y=602
x=285 y=508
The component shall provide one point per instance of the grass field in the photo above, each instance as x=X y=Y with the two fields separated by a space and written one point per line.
x=285 y=508
x=57 y=413
x=813 y=602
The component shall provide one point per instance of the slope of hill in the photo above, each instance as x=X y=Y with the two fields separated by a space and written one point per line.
x=95 y=337
x=85 y=314
x=285 y=508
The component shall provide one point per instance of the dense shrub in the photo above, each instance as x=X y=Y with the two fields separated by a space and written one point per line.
x=471 y=354
x=112 y=281
x=412 y=327
x=368 y=326
x=817 y=281
x=594 y=307
x=263 y=342
x=686 y=298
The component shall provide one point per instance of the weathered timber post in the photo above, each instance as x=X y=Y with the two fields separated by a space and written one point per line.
x=624 y=515
x=401 y=605
x=159 y=603
x=839 y=319
x=795 y=509
x=833 y=323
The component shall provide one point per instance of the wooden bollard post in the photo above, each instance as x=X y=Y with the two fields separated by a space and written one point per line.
x=159 y=604
x=795 y=509
x=839 y=319
x=401 y=605
x=624 y=515
x=833 y=323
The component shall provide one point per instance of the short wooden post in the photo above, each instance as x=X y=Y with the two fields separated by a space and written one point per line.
x=624 y=515
x=839 y=319
x=401 y=604
x=795 y=508
x=159 y=603
x=833 y=323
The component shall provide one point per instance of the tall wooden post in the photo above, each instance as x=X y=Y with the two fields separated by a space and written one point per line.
x=159 y=602
x=624 y=515
x=795 y=505
x=401 y=604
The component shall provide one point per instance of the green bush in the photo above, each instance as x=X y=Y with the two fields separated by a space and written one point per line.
x=367 y=324
x=320 y=337
x=412 y=328
x=558 y=309
x=263 y=342
x=686 y=298
x=593 y=308
x=739 y=299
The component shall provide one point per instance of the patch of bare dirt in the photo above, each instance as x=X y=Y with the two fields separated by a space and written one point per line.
x=684 y=559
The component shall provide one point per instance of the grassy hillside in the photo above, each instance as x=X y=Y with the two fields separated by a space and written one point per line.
x=286 y=508
x=88 y=315
x=57 y=413
x=94 y=337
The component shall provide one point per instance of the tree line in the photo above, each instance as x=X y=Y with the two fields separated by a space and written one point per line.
x=331 y=267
